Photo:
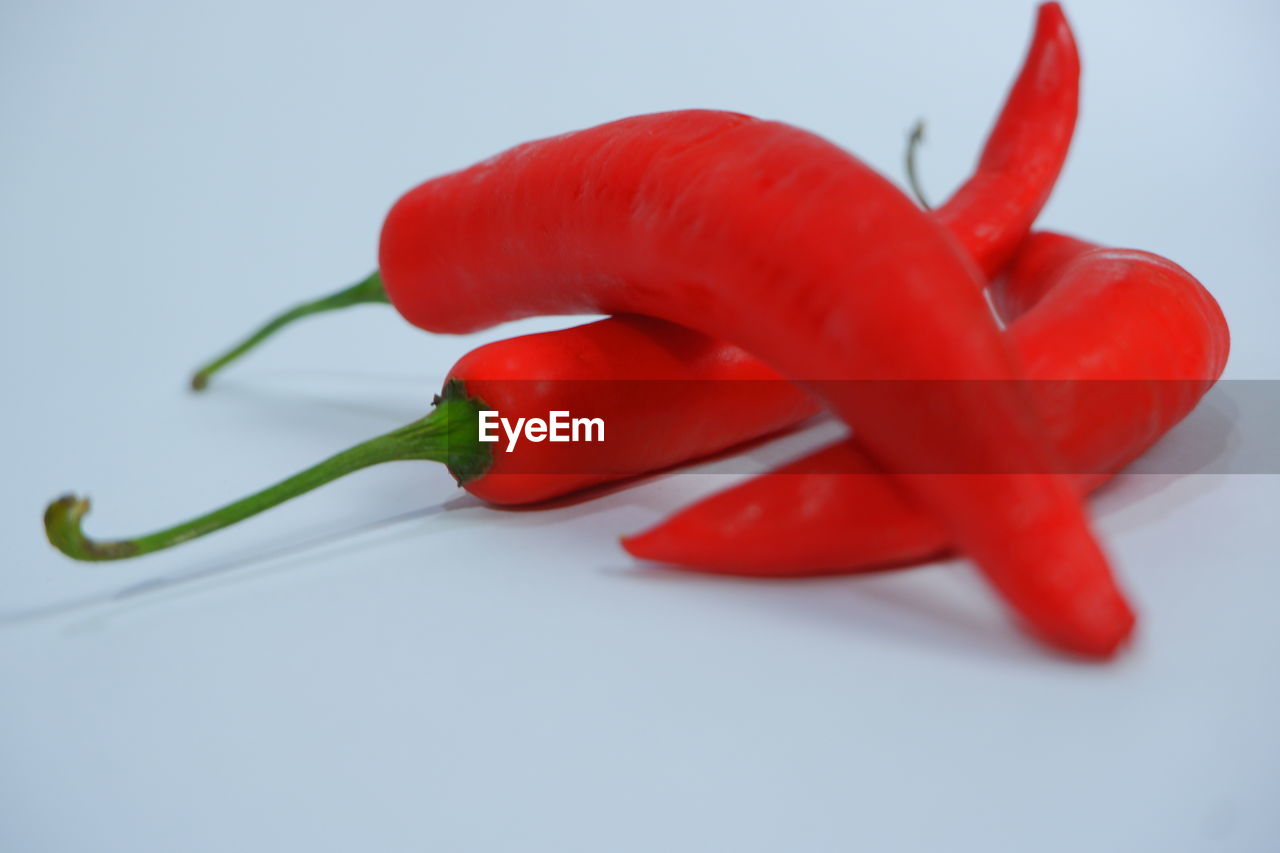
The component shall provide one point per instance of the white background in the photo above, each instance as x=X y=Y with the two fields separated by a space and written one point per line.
x=388 y=665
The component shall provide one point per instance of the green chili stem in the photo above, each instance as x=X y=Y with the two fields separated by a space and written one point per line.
x=369 y=290
x=914 y=141
x=449 y=435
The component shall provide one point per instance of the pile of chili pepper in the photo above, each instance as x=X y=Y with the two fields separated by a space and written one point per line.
x=757 y=274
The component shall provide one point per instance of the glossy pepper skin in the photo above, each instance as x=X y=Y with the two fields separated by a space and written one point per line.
x=1120 y=346
x=785 y=245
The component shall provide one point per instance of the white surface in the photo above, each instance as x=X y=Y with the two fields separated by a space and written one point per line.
x=346 y=677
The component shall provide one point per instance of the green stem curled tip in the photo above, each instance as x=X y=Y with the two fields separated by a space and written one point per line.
x=449 y=434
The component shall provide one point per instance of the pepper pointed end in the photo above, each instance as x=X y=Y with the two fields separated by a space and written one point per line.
x=1101 y=631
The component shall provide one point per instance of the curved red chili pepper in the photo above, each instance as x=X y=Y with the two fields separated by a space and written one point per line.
x=1121 y=344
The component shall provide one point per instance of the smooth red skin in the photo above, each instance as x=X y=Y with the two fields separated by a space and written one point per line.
x=693 y=417
x=779 y=242
x=693 y=396
x=1025 y=151
x=1093 y=314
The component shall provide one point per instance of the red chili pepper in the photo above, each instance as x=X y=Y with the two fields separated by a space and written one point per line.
x=750 y=230
x=1121 y=345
